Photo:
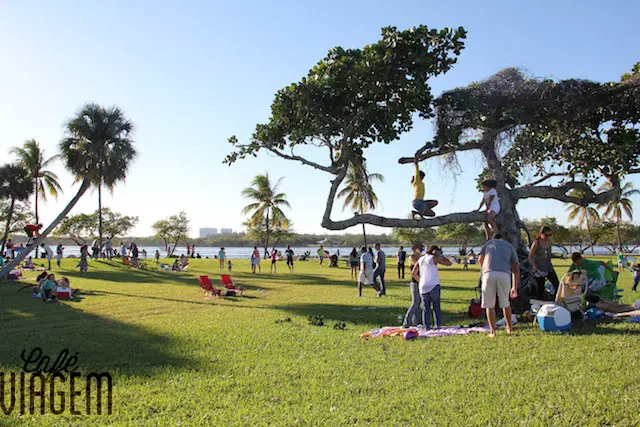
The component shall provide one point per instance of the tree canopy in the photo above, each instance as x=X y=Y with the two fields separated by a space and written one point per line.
x=172 y=230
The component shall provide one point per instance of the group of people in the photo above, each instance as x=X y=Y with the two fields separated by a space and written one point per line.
x=372 y=268
x=49 y=289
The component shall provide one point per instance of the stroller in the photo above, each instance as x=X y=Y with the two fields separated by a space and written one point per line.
x=573 y=288
x=333 y=261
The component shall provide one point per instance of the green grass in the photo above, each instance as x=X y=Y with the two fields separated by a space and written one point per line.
x=180 y=359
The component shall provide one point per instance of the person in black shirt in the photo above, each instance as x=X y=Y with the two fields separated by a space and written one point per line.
x=402 y=257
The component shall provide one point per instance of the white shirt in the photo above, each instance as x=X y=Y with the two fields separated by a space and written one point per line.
x=495 y=204
x=49 y=252
x=366 y=261
x=429 y=278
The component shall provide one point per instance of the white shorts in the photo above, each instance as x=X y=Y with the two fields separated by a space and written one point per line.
x=366 y=277
x=495 y=282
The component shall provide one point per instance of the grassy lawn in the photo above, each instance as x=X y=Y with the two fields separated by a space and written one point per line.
x=180 y=359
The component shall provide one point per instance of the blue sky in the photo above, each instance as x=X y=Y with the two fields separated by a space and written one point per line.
x=192 y=73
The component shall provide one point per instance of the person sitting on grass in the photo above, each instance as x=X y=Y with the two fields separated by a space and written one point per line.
x=39 y=281
x=65 y=287
x=176 y=265
x=48 y=289
x=595 y=271
x=421 y=207
x=491 y=201
x=28 y=264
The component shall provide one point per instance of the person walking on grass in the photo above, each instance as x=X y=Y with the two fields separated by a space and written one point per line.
x=321 y=254
x=222 y=256
x=413 y=316
x=381 y=268
x=500 y=271
x=366 y=271
x=401 y=259
x=49 y=254
x=289 y=254
x=59 y=251
x=353 y=263
x=425 y=272
x=274 y=259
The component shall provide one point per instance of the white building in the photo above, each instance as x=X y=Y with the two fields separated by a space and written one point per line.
x=206 y=232
x=226 y=231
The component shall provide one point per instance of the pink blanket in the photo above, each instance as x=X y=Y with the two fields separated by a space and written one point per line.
x=445 y=331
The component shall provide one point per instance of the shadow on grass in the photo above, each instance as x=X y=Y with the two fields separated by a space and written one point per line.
x=227 y=298
x=102 y=344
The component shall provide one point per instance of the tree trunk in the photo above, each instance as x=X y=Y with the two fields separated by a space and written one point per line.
x=266 y=239
x=618 y=221
x=100 y=211
x=37 y=216
x=8 y=227
x=589 y=235
x=364 y=235
x=83 y=188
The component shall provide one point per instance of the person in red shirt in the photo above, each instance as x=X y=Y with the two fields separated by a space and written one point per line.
x=32 y=230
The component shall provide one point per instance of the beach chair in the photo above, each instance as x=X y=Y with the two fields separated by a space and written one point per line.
x=610 y=292
x=229 y=285
x=206 y=285
x=573 y=287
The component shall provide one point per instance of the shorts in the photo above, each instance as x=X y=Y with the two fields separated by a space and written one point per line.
x=495 y=282
x=419 y=205
x=354 y=264
x=494 y=209
x=273 y=261
x=366 y=277
x=289 y=260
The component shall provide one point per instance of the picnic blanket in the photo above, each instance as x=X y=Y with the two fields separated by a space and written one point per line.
x=445 y=331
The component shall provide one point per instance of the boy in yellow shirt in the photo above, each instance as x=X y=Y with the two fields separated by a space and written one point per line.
x=421 y=207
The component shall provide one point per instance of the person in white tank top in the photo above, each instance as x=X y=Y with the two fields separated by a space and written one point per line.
x=492 y=202
x=426 y=274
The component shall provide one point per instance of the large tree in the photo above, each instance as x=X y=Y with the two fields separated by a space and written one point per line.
x=358 y=192
x=88 y=157
x=172 y=230
x=16 y=186
x=82 y=227
x=620 y=205
x=266 y=208
x=575 y=132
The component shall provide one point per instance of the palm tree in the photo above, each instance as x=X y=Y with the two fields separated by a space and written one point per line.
x=266 y=208
x=358 y=192
x=32 y=158
x=97 y=149
x=616 y=208
x=15 y=184
x=585 y=215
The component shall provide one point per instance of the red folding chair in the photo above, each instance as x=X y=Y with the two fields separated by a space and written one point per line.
x=229 y=285
x=206 y=285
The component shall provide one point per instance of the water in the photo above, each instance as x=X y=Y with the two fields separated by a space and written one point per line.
x=245 y=252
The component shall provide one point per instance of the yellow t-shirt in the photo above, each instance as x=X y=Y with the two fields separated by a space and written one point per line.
x=418 y=185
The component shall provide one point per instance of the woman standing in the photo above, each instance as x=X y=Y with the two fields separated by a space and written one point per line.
x=540 y=256
x=353 y=262
x=412 y=318
x=426 y=272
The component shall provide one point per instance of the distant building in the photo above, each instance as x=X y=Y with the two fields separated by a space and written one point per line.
x=226 y=231
x=206 y=232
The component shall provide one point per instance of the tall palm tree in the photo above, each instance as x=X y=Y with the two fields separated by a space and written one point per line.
x=585 y=216
x=32 y=158
x=358 y=192
x=97 y=149
x=618 y=207
x=16 y=185
x=266 y=206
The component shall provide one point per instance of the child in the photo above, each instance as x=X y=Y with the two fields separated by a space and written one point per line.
x=48 y=288
x=636 y=276
x=64 y=287
x=274 y=257
x=157 y=256
x=229 y=265
x=29 y=263
x=176 y=265
x=421 y=207
x=492 y=203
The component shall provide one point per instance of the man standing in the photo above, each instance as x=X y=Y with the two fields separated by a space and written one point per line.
x=366 y=272
x=321 y=254
x=500 y=271
x=401 y=259
x=289 y=255
x=59 y=251
x=108 y=246
x=381 y=268
x=48 y=252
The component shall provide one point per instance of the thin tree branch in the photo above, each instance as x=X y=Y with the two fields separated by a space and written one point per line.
x=328 y=169
x=425 y=153
x=546 y=177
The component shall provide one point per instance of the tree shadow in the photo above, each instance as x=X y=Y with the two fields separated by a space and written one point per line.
x=102 y=344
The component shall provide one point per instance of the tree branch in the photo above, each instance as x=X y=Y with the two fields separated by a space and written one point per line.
x=546 y=177
x=588 y=196
x=425 y=153
x=454 y=218
x=328 y=169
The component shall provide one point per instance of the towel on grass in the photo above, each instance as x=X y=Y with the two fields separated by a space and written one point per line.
x=445 y=331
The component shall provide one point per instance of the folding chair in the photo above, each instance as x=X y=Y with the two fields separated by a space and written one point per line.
x=206 y=285
x=229 y=285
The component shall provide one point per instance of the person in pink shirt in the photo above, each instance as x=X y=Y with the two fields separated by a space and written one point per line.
x=274 y=258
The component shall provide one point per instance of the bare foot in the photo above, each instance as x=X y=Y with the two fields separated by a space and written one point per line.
x=509 y=331
x=492 y=334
